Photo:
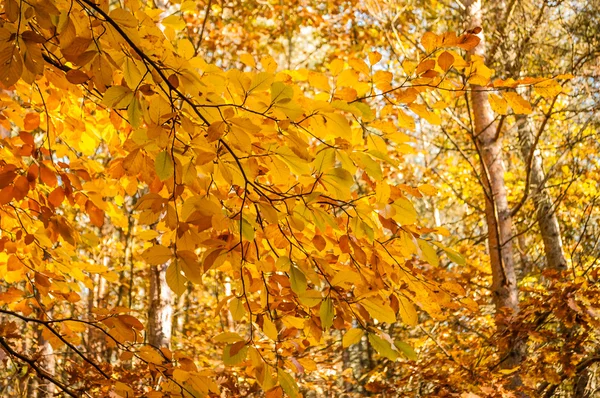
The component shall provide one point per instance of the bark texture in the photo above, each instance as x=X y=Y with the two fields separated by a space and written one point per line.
x=498 y=213
x=544 y=206
x=160 y=310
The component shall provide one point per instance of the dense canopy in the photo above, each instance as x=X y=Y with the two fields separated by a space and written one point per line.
x=209 y=198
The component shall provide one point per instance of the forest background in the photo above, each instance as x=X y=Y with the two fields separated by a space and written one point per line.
x=302 y=198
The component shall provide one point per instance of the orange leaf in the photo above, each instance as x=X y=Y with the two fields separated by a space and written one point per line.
x=56 y=197
x=445 y=61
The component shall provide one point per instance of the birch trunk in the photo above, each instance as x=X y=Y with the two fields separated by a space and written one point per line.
x=544 y=209
x=497 y=211
x=160 y=310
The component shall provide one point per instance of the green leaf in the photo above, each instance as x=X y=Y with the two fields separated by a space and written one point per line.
x=231 y=355
x=288 y=383
x=297 y=280
x=455 y=257
x=283 y=263
x=134 y=113
x=406 y=349
x=383 y=347
x=247 y=230
x=326 y=313
x=351 y=337
x=164 y=166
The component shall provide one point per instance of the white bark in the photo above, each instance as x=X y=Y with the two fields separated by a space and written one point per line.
x=544 y=207
x=160 y=310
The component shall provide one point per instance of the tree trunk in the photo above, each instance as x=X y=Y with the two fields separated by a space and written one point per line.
x=160 y=310
x=498 y=214
x=544 y=209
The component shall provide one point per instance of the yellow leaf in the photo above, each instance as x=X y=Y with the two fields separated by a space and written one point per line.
x=406 y=350
x=174 y=21
x=345 y=277
x=382 y=80
x=190 y=266
x=338 y=125
x=150 y=355
x=297 y=280
x=405 y=212
x=236 y=307
x=269 y=329
x=428 y=189
x=336 y=66
x=360 y=66
x=261 y=82
x=310 y=298
x=405 y=120
x=297 y=165
x=425 y=113
x=228 y=337
x=374 y=57
x=498 y=104
x=518 y=104
x=326 y=313
x=407 y=311
x=134 y=113
x=268 y=64
x=548 y=89
x=164 y=166
x=430 y=41
x=123 y=18
x=185 y=48
x=117 y=97
x=351 y=337
x=181 y=375
x=338 y=181
x=157 y=255
x=429 y=253
x=234 y=354
x=175 y=279
x=318 y=80
x=281 y=93
x=248 y=59
x=379 y=310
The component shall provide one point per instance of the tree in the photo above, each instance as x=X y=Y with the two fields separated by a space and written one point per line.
x=283 y=181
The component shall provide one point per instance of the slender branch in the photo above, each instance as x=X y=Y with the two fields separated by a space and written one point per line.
x=42 y=373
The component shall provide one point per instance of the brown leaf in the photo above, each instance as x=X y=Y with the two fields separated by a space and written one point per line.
x=77 y=76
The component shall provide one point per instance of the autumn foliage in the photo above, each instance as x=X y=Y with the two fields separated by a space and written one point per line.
x=186 y=213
